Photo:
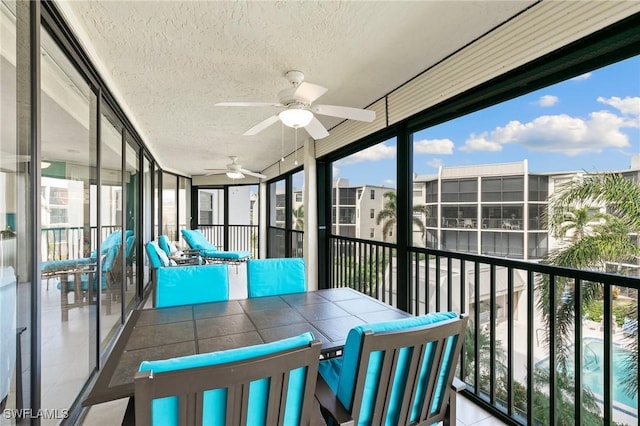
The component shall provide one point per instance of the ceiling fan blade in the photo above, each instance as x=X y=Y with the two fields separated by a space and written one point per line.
x=250 y=173
x=316 y=129
x=261 y=126
x=345 y=112
x=310 y=91
x=216 y=172
x=249 y=104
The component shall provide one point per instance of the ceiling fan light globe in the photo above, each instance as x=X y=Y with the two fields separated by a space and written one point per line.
x=296 y=117
x=234 y=175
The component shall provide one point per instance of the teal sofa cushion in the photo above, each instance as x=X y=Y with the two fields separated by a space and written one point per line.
x=341 y=375
x=185 y=285
x=165 y=410
x=269 y=277
x=157 y=256
x=163 y=242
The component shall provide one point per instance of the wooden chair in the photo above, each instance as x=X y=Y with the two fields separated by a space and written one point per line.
x=268 y=384
x=394 y=373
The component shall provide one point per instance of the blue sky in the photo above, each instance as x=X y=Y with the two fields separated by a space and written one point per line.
x=591 y=123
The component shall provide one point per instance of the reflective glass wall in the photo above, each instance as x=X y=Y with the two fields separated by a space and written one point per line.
x=70 y=288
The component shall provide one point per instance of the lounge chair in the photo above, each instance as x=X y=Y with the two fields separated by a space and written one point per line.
x=209 y=252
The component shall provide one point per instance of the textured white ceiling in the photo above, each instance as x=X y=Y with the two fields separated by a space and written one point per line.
x=171 y=61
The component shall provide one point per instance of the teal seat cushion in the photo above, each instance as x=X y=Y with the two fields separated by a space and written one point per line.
x=66 y=264
x=341 y=376
x=197 y=240
x=225 y=255
x=269 y=277
x=185 y=285
x=165 y=410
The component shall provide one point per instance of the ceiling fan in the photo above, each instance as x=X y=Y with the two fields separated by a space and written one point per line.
x=299 y=108
x=235 y=171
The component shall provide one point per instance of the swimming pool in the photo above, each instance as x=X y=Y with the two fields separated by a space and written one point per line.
x=593 y=375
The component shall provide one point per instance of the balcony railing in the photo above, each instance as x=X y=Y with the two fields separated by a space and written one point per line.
x=241 y=237
x=521 y=357
x=61 y=243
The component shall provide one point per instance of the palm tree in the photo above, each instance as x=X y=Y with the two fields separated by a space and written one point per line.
x=298 y=218
x=388 y=215
x=575 y=223
x=590 y=246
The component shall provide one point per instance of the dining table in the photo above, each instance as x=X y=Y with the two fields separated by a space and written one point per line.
x=161 y=333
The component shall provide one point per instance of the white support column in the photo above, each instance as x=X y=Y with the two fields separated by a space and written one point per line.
x=262 y=229
x=310 y=215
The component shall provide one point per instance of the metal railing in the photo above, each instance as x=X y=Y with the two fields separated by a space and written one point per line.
x=240 y=237
x=60 y=243
x=521 y=360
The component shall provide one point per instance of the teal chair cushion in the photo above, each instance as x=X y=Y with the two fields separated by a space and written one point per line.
x=163 y=242
x=269 y=277
x=60 y=265
x=185 y=285
x=157 y=256
x=165 y=410
x=197 y=240
x=225 y=255
x=340 y=374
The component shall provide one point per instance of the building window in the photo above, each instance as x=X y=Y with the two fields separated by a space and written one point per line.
x=372 y=233
x=372 y=214
x=298 y=197
x=59 y=196
x=58 y=216
x=373 y=194
x=459 y=190
x=538 y=245
x=507 y=188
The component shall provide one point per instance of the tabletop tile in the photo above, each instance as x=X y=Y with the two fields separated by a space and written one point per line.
x=337 y=329
x=321 y=311
x=263 y=303
x=387 y=315
x=292 y=330
x=208 y=310
x=275 y=317
x=359 y=306
x=165 y=315
x=232 y=341
x=162 y=334
x=129 y=362
x=223 y=326
x=299 y=299
x=342 y=293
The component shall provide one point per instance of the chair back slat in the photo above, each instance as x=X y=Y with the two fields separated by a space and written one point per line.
x=408 y=357
x=189 y=385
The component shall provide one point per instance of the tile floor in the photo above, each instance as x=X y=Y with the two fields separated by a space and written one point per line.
x=111 y=413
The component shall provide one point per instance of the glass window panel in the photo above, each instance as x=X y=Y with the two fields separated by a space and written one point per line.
x=352 y=175
x=170 y=206
x=68 y=218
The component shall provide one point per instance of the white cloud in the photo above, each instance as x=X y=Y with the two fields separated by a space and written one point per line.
x=582 y=77
x=556 y=133
x=629 y=106
x=390 y=182
x=335 y=171
x=480 y=143
x=377 y=152
x=433 y=146
x=435 y=163
x=547 y=101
